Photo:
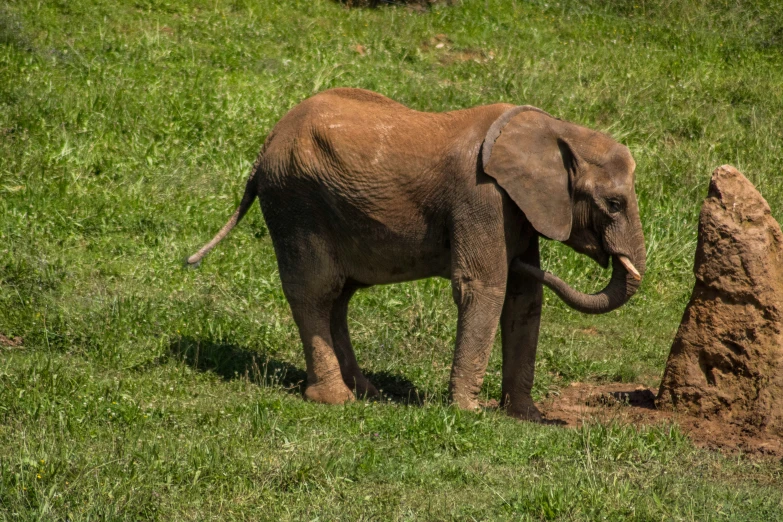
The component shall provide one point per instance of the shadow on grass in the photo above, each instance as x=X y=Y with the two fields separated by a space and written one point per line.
x=11 y=30
x=639 y=398
x=230 y=361
x=396 y=388
x=419 y=5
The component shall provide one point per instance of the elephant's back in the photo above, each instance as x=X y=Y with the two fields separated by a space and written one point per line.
x=356 y=149
x=341 y=131
x=348 y=95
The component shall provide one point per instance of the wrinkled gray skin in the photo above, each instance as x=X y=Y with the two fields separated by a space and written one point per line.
x=358 y=190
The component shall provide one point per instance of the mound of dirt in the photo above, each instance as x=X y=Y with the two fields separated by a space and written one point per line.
x=634 y=404
x=723 y=383
x=726 y=363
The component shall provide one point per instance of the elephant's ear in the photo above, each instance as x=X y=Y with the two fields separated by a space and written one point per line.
x=532 y=163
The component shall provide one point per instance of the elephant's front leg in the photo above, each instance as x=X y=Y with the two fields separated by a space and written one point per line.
x=479 y=304
x=519 y=326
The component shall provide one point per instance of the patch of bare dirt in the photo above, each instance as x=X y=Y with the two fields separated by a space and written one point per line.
x=466 y=55
x=447 y=53
x=635 y=404
x=15 y=342
x=439 y=41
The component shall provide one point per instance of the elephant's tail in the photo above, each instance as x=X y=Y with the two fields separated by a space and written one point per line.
x=239 y=213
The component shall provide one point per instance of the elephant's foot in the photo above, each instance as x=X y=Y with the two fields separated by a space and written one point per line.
x=363 y=388
x=464 y=388
x=465 y=401
x=329 y=392
x=524 y=409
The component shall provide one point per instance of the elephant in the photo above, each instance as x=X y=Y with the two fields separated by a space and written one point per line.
x=359 y=190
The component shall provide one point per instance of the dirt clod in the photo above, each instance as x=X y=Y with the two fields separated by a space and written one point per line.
x=726 y=362
x=15 y=342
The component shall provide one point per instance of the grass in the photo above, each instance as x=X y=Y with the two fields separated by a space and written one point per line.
x=146 y=391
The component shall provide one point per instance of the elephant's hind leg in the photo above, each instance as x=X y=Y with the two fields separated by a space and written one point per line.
x=312 y=298
x=352 y=375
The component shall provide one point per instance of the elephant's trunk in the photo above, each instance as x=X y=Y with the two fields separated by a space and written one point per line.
x=621 y=287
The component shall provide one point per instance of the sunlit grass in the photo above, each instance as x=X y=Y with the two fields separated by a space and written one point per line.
x=144 y=390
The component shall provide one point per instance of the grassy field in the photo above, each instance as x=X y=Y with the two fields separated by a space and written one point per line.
x=147 y=391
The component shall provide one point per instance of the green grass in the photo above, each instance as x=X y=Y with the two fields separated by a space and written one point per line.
x=144 y=390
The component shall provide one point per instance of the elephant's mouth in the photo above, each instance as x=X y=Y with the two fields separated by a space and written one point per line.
x=590 y=243
x=602 y=258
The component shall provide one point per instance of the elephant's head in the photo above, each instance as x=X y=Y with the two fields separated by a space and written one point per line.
x=574 y=185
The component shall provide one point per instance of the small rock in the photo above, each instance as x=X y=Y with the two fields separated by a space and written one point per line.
x=727 y=358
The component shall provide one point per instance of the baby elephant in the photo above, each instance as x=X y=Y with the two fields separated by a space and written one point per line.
x=359 y=190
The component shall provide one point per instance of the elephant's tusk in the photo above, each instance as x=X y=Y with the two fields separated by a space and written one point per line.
x=629 y=266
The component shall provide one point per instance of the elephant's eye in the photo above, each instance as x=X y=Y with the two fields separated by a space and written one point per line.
x=614 y=205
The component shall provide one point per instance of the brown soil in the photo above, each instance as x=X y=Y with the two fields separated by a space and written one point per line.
x=447 y=53
x=635 y=404
x=16 y=342
x=726 y=360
